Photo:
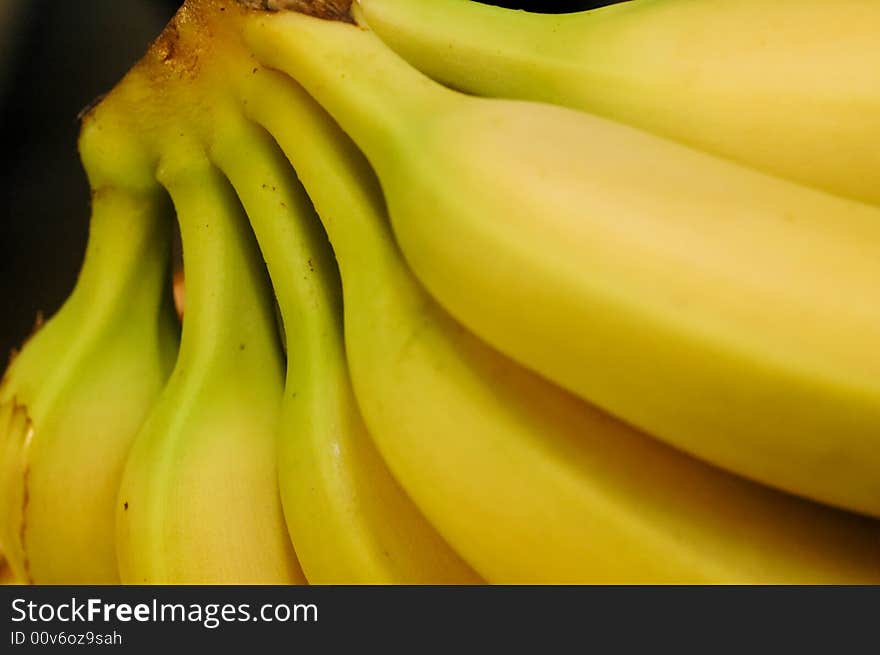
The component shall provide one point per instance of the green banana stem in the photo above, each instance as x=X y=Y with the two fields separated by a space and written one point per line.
x=473 y=47
x=127 y=256
x=760 y=82
x=359 y=85
x=502 y=35
x=126 y=269
x=290 y=236
x=218 y=415
x=311 y=141
x=228 y=297
x=338 y=495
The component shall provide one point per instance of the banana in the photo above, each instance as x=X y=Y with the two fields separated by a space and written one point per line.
x=791 y=87
x=348 y=518
x=525 y=481
x=498 y=474
x=72 y=401
x=724 y=311
x=199 y=500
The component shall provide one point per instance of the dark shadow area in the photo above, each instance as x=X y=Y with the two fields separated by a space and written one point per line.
x=58 y=57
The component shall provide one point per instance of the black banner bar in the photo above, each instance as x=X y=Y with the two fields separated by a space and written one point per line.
x=424 y=618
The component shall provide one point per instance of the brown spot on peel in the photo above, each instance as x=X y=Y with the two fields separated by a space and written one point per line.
x=26 y=436
x=22 y=529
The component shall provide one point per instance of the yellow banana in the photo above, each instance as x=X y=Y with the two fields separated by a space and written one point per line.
x=603 y=258
x=348 y=518
x=82 y=385
x=791 y=87
x=199 y=498
x=722 y=310
x=526 y=482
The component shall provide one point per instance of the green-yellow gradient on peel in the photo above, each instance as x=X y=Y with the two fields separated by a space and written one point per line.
x=349 y=519
x=199 y=500
x=78 y=392
x=486 y=334
x=720 y=309
x=791 y=87
x=526 y=482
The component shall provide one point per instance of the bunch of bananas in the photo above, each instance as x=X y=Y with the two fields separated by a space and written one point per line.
x=607 y=312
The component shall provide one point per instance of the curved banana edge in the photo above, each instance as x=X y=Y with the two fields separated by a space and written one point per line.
x=756 y=81
x=199 y=499
x=527 y=483
x=348 y=518
x=642 y=303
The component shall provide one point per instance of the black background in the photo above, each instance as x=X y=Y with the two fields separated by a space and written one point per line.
x=57 y=57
